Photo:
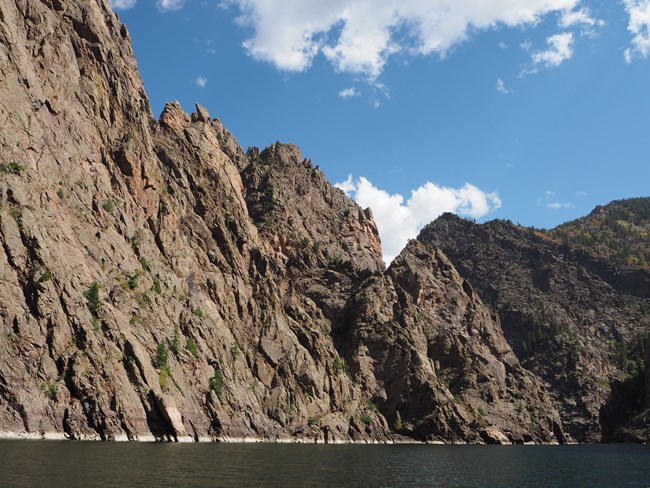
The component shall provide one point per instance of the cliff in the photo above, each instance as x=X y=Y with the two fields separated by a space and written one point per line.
x=577 y=320
x=156 y=282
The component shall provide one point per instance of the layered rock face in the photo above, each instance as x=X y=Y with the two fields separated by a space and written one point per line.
x=435 y=357
x=158 y=282
x=577 y=320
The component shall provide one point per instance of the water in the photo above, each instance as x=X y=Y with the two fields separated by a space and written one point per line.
x=85 y=464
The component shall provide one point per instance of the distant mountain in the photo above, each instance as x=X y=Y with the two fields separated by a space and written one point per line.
x=577 y=320
x=619 y=231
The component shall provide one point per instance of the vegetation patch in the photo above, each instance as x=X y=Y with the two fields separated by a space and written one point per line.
x=216 y=383
x=132 y=281
x=398 y=425
x=162 y=356
x=338 y=365
x=191 y=347
x=49 y=388
x=157 y=287
x=47 y=276
x=109 y=206
x=175 y=343
x=314 y=421
x=161 y=362
x=92 y=299
x=11 y=168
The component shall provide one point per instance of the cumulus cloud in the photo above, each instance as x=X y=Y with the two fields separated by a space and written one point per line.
x=560 y=48
x=399 y=220
x=122 y=4
x=169 y=5
x=639 y=27
x=202 y=81
x=502 y=88
x=358 y=36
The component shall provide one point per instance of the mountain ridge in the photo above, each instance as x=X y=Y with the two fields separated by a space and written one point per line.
x=619 y=230
x=572 y=317
x=159 y=283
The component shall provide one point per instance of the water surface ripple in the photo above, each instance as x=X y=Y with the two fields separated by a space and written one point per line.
x=88 y=464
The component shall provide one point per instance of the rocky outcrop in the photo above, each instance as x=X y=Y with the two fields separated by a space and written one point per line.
x=156 y=282
x=575 y=320
x=435 y=358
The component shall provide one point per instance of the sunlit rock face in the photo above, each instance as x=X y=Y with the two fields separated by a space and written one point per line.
x=157 y=282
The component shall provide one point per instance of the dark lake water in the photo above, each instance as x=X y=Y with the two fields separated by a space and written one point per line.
x=87 y=464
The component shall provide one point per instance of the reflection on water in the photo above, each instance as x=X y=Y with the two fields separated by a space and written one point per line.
x=85 y=464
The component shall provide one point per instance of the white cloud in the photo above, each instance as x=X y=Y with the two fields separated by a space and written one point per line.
x=398 y=221
x=502 y=45
x=560 y=48
x=122 y=4
x=169 y=5
x=627 y=54
x=202 y=81
x=163 y=5
x=359 y=36
x=502 y=88
x=551 y=202
x=639 y=27
x=560 y=205
x=348 y=93
x=578 y=17
x=583 y=18
x=581 y=194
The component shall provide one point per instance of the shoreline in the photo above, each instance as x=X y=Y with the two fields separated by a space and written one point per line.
x=149 y=438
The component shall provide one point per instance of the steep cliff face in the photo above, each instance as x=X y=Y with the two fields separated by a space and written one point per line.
x=576 y=320
x=137 y=295
x=158 y=282
x=70 y=98
x=434 y=357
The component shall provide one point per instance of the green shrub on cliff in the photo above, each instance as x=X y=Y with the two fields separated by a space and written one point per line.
x=92 y=299
x=191 y=347
x=216 y=383
x=162 y=356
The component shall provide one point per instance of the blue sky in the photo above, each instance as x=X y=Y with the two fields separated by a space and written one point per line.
x=529 y=110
